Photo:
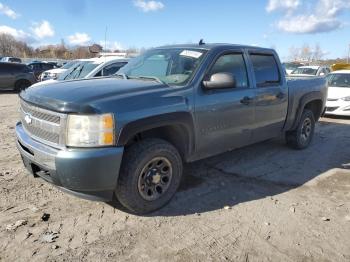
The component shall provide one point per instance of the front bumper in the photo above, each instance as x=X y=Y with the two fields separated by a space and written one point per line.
x=339 y=108
x=87 y=173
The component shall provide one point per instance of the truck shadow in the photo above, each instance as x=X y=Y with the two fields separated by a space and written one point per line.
x=258 y=171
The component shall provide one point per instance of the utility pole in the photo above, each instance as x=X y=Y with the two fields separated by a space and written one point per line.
x=348 y=55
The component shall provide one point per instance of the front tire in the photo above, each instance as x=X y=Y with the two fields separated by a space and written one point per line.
x=301 y=137
x=21 y=85
x=150 y=176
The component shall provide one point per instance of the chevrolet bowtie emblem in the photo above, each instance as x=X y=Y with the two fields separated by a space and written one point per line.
x=28 y=119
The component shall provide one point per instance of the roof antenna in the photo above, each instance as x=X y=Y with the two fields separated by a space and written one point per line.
x=201 y=42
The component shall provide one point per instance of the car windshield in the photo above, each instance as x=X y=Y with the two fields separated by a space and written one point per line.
x=80 y=70
x=70 y=64
x=305 y=71
x=339 y=80
x=172 y=66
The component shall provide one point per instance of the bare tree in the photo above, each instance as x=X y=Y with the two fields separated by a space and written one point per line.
x=294 y=53
x=306 y=53
x=317 y=53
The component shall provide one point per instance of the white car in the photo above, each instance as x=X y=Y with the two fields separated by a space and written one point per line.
x=55 y=73
x=94 y=67
x=89 y=68
x=338 y=101
x=311 y=71
x=291 y=66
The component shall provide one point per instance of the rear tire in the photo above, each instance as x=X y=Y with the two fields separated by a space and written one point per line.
x=150 y=176
x=21 y=85
x=301 y=137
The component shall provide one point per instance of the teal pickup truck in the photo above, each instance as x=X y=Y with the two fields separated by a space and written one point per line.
x=127 y=136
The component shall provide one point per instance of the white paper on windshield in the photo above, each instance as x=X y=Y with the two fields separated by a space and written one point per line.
x=191 y=53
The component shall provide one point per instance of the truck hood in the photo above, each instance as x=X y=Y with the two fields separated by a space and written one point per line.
x=80 y=96
x=338 y=92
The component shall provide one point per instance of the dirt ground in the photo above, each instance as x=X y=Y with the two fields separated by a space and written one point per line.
x=261 y=203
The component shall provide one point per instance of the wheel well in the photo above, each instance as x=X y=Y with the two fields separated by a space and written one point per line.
x=316 y=107
x=177 y=135
x=23 y=81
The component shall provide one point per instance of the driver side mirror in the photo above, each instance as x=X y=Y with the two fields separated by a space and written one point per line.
x=220 y=81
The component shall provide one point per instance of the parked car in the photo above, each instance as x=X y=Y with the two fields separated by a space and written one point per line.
x=11 y=59
x=338 y=101
x=291 y=66
x=95 y=67
x=311 y=71
x=55 y=64
x=55 y=73
x=128 y=136
x=14 y=76
x=89 y=68
x=39 y=67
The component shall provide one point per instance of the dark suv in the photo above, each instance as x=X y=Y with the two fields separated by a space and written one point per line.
x=15 y=76
x=39 y=67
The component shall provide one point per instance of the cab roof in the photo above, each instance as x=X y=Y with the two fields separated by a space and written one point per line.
x=210 y=46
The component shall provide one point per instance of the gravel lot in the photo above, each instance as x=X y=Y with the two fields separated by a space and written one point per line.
x=261 y=203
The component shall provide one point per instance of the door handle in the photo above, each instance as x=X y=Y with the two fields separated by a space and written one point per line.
x=246 y=100
x=280 y=95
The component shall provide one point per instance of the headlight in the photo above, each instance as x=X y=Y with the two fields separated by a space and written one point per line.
x=90 y=130
x=53 y=75
x=346 y=98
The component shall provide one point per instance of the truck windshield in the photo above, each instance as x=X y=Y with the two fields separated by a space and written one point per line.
x=172 y=66
x=339 y=80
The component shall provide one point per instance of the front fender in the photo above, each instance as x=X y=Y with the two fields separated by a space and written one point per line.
x=183 y=119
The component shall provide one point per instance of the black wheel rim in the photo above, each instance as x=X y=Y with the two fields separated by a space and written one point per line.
x=155 y=178
x=306 y=129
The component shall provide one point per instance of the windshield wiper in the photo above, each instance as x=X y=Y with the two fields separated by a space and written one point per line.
x=149 y=78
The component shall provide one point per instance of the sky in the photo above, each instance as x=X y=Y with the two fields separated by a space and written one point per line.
x=281 y=24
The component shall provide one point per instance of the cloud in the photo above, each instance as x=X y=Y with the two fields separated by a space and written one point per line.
x=17 y=34
x=111 y=45
x=301 y=18
x=43 y=29
x=289 y=5
x=308 y=24
x=79 y=39
x=148 y=6
x=8 y=11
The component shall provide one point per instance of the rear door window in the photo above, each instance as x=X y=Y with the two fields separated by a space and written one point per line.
x=265 y=69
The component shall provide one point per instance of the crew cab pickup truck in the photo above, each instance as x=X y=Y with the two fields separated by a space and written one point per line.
x=126 y=137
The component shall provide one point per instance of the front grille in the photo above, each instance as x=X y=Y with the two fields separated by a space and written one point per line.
x=331 y=109
x=43 y=125
x=40 y=114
